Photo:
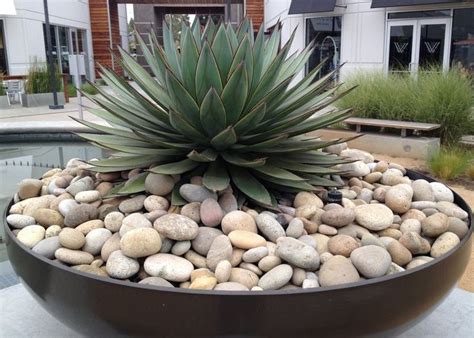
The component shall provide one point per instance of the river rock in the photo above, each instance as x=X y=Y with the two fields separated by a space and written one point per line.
x=371 y=261
x=338 y=217
x=156 y=281
x=133 y=221
x=338 y=270
x=154 y=202
x=230 y=286
x=79 y=214
x=47 y=217
x=374 y=217
x=369 y=239
x=336 y=148
x=170 y=267
x=268 y=262
x=228 y=202
x=400 y=255
x=111 y=245
x=177 y=227
x=276 y=277
x=244 y=277
x=411 y=225
x=255 y=254
x=158 y=184
x=18 y=221
x=211 y=212
x=444 y=243
x=83 y=184
x=71 y=238
x=31 y=235
x=73 y=257
x=113 y=221
x=417 y=261
x=47 y=247
x=132 y=204
x=297 y=253
x=398 y=198
x=435 y=225
x=87 y=196
x=451 y=210
x=193 y=211
x=52 y=231
x=295 y=228
x=342 y=245
x=246 y=239
x=269 y=227
x=455 y=225
x=238 y=220
x=120 y=266
x=140 y=242
x=29 y=187
x=66 y=205
x=358 y=155
x=180 y=248
x=354 y=169
x=220 y=250
x=223 y=270
x=307 y=198
x=441 y=192
x=196 y=193
x=95 y=239
x=415 y=243
x=422 y=191
x=202 y=242
x=204 y=283
x=88 y=226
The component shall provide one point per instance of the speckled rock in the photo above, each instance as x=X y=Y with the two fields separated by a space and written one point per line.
x=411 y=225
x=244 y=277
x=269 y=227
x=297 y=253
x=72 y=239
x=220 y=250
x=47 y=247
x=422 y=191
x=441 y=192
x=307 y=198
x=337 y=270
x=29 y=187
x=342 y=245
x=357 y=154
x=193 y=211
x=83 y=184
x=88 y=226
x=435 y=225
x=230 y=286
x=113 y=221
x=169 y=267
x=196 y=193
x=52 y=231
x=321 y=242
x=238 y=220
x=79 y=214
x=400 y=255
x=371 y=261
x=120 y=266
x=156 y=281
x=254 y=255
x=133 y=221
x=276 y=277
x=158 y=184
x=141 y=242
x=455 y=225
x=47 y=217
x=20 y=221
x=451 y=210
x=374 y=217
x=31 y=235
x=354 y=169
x=398 y=198
x=154 y=202
x=338 y=217
x=202 y=242
x=444 y=243
x=73 y=257
x=211 y=212
x=111 y=245
x=132 y=204
x=95 y=239
x=415 y=243
x=177 y=227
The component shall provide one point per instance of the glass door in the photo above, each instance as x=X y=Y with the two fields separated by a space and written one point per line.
x=418 y=44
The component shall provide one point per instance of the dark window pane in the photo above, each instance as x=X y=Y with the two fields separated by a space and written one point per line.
x=326 y=33
x=3 y=51
x=64 y=48
x=462 y=43
x=419 y=14
x=400 y=49
x=54 y=47
x=432 y=45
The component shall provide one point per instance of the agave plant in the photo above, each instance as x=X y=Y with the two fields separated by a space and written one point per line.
x=225 y=105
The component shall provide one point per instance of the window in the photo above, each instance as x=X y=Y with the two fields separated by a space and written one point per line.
x=462 y=39
x=59 y=46
x=3 y=51
x=326 y=33
x=420 y=14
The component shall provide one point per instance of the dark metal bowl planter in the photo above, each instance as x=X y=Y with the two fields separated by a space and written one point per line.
x=100 y=307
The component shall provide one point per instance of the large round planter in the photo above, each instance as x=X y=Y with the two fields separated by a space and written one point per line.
x=103 y=307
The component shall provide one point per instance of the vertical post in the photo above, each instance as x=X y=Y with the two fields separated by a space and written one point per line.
x=227 y=11
x=78 y=78
x=49 y=54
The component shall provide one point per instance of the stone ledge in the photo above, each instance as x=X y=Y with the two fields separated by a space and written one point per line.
x=44 y=127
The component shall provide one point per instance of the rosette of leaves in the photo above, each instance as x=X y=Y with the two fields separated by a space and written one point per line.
x=225 y=105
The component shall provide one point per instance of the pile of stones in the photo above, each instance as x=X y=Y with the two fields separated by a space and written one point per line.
x=385 y=224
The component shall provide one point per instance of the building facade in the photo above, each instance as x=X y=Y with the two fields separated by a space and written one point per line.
x=385 y=35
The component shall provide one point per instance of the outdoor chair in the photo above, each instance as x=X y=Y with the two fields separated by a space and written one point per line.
x=14 y=88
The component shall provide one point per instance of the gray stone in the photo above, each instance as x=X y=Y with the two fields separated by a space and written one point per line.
x=255 y=254
x=66 y=205
x=120 y=266
x=455 y=225
x=181 y=247
x=269 y=227
x=444 y=243
x=95 y=239
x=230 y=286
x=220 y=250
x=374 y=217
x=83 y=184
x=338 y=270
x=177 y=227
x=132 y=204
x=435 y=225
x=422 y=191
x=211 y=212
x=371 y=261
x=205 y=236
x=276 y=277
x=354 y=169
x=451 y=210
x=169 y=267
x=295 y=228
x=338 y=217
x=47 y=247
x=156 y=281
x=442 y=192
x=196 y=193
x=158 y=184
x=113 y=221
x=228 y=202
x=297 y=253
x=398 y=198
x=20 y=221
x=80 y=214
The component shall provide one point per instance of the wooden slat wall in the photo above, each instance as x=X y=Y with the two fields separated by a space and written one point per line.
x=254 y=10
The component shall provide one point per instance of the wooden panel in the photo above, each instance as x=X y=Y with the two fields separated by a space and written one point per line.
x=254 y=10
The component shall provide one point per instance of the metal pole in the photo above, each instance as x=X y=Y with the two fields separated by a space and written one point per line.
x=227 y=11
x=49 y=54
x=78 y=78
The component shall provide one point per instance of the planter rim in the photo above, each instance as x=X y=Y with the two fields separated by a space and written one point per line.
x=196 y=292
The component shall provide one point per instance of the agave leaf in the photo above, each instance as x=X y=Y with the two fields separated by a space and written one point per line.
x=208 y=155
x=158 y=152
x=212 y=113
x=216 y=178
x=243 y=54
x=322 y=122
x=196 y=30
x=301 y=167
x=209 y=31
x=272 y=142
x=106 y=129
x=235 y=93
x=271 y=96
x=320 y=181
x=112 y=139
x=170 y=49
x=176 y=198
x=175 y=167
x=222 y=51
x=249 y=185
x=224 y=139
x=234 y=43
x=114 y=191
x=253 y=118
x=134 y=185
x=242 y=161
x=278 y=173
x=242 y=30
x=132 y=161
x=185 y=127
x=189 y=58
x=156 y=67
x=271 y=48
x=302 y=185
x=183 y=101
x=258 y=51
x=207 y=73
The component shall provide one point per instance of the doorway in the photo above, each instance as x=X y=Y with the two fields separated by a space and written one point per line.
x=418 y=44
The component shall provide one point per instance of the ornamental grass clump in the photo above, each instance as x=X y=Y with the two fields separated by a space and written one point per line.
x=221 y=106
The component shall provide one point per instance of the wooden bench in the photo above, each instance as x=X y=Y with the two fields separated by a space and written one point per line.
x=382 y=124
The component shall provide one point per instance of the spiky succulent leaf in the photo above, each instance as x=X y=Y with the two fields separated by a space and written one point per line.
x=221 y=106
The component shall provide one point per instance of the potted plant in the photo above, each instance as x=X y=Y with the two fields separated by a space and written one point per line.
x=38 y=90
x=215 y=215
x=3 y=96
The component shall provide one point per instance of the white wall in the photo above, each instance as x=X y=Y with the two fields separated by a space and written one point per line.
x=24 y=32
x=123 y=25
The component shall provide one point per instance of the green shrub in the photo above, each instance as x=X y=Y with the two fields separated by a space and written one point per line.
x=38 y=79
x=71 y=90
x=2 y=90
x=470 y=172
x=449 y=163
x=433 y=97
x=89 y=89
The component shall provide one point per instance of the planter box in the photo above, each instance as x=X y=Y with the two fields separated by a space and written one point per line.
x=4 y=102
x=43 y=99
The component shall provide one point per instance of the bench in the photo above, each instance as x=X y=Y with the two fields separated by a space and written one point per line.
x=382 y=124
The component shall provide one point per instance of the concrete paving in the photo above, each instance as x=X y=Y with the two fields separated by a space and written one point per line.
x=22 y=316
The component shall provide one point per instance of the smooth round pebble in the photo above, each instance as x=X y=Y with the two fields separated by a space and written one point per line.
x=371 y=261
x=31 y=235
x=120 y=266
